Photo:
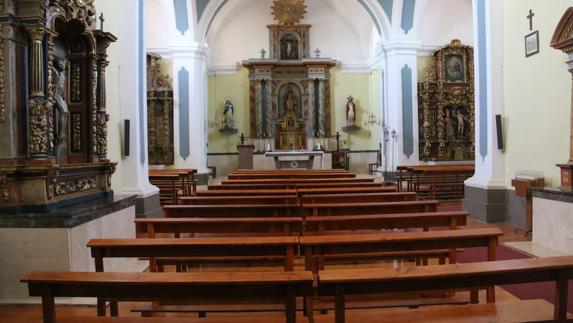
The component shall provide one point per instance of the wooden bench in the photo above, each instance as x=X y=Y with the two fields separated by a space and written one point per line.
x=170 y=186
x=275 y=186
x=198 y=248
x=359 y=198
x=225 y=200
x=321 y=224
x=318 y=249
x=280 y=286
x=329 y=209
x=290 y=192
x=342 y=181
x=177 y=226
x=259 y=176
x=342 y=283
x=231 y=211
x=345 y=190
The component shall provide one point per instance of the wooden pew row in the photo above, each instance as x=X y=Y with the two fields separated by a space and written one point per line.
x=170 y=187
x=224 y=200
x=290 y=186
x=148 y=228
x=330 y=209
x=283 y=287
x=359 y=198
x=271 y=226
x=231 y=211
x=291 y=199
x=343 y=283
x=289 y=170
x=283 y=247
x=320 y=225
x=440 y=181
x=319 y=249
x=341 y=181
x=258 y=176
x=300 y=191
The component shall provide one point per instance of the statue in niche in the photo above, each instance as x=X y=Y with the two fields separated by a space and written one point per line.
x=449 y=125
x=350 y=115
x=289 y=47
x=59 y=74
x=228 y=117
x=461 y=120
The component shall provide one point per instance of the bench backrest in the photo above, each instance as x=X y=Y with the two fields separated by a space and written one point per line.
x=359 y=198
x=231 y=211
x=170 y=286
x=317 y=247
x=329 y=209
x=225 y=200
x=341 y=283
x=290 y=176
x=194 y=248
x=346 y=190
x=242 y=192
x=298 y=181
x=323 y=224
x=270 y=226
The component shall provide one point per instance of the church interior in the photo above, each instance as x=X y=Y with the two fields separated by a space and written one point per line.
x=210 y=161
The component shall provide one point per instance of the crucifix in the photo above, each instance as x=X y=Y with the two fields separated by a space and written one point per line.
x=263 y=53
x=101 y=21
x=530 y=17
x=338 y=141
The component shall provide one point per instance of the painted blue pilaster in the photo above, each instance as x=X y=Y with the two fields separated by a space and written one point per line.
x=181 y=16
x=200 y=5
x=387 y=5
x=142 y=85
x=407 y=111
x=408 y=15
x=483 y=89
x=184 y=146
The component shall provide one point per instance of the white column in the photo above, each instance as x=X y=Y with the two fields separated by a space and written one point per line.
x=399 y=55
x=488 y=34
x=194 y=61
x=128 y=66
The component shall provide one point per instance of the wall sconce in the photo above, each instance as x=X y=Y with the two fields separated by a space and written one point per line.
x=372 y=120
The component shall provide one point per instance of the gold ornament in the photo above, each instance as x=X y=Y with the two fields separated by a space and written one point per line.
x=289 y=12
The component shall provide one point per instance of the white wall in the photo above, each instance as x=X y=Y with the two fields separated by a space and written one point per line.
x=440 y=21
x=342 y=29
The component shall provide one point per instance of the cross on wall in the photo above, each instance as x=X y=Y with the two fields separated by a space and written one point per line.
x=530 y=18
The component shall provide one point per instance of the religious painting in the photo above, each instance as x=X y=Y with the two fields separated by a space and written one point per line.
x=289 y=47
x=455 y=71
x=532 y=44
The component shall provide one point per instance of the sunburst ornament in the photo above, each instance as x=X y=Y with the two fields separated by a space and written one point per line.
x=289 y=12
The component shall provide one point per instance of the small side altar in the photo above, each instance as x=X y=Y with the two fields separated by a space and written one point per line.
x=295 y=158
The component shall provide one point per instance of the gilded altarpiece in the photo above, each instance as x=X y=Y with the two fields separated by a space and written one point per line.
x=446 y=109
x=159 y=114
x=290 y=90
x=53 y=119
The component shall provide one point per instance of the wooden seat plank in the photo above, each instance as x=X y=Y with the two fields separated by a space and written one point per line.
x=232 y=210
x=328 y=209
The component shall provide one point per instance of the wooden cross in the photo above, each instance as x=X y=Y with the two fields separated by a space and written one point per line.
x=242 y=138
x=338 y=141
x=530 y=17
x=101 y=21
x=263 y=53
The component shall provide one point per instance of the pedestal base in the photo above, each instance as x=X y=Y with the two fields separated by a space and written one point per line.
x=553 y=219
x=566 y=174
x=56 y=241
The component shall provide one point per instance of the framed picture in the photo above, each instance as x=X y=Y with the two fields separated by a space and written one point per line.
x=532 y=44
x=455 y=69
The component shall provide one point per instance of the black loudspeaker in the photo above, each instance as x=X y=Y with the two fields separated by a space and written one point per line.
x=126 y=135
x=499 y=127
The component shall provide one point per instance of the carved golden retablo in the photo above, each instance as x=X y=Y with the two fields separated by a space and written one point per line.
x=289 y=12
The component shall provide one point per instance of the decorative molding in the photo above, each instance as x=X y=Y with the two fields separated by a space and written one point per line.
x=407 y=111
x=224 y=69
x=76 y=185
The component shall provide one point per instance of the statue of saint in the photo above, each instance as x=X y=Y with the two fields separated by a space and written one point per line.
x=290 y=102
x=350 y=112
x=461 y=124
x=449 y=125
x=59 y=76
x=228 y=112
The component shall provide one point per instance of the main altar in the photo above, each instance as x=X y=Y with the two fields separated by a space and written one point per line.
x=290 y=106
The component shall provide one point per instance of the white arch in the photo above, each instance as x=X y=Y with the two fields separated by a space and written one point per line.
x=374 y=9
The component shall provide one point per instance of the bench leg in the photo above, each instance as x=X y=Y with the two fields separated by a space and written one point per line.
x=309 y=308
x=48 y=306
x=113 y=308
x=474 y=296
x=100 y=307
x=290 y=306
x=561 y=290
x=339 y=310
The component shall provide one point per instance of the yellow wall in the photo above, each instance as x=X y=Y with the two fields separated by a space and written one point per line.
x=364 y=87
x=536 y=92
